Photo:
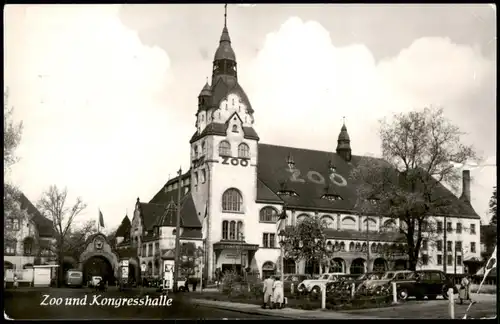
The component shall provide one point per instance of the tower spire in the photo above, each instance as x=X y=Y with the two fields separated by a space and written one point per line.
x=225 y=15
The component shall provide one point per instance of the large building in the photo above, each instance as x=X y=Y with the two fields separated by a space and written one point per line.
x=30 y=238
x=236 y=187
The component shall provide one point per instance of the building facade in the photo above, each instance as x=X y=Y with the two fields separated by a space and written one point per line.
x=29 y=239
x=236 y=187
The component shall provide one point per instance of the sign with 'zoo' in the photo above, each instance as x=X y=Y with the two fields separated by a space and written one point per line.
x=316 y=177
x=235 y=161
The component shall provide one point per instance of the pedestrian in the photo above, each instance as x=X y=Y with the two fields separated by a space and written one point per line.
x=278 y=297
x=268 y=292
x=16 y=283
x=464 y=289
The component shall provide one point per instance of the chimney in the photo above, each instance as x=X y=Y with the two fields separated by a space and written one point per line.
x=465 y=186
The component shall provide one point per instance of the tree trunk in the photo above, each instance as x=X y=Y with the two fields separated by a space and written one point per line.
x=412 y=263
x=60 y=272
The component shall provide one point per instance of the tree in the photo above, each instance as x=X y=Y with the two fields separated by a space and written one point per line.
x=74 y=244
x=307 y=241
x=52 y=204
x=11 y=139
x=493 y=207
x=407 y=184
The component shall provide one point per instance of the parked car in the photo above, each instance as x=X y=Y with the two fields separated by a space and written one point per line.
x=294 y=279
x=314 y=285
x=388 y=277
x=426 y=283
x=365 y=277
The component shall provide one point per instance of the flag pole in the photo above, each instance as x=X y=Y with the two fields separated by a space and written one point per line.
x=98 y=221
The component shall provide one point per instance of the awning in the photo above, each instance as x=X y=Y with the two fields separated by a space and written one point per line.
x=235 y=246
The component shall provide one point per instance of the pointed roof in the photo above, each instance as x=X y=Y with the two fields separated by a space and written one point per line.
x=206 y=91
x=225 y=51
x=124 y=228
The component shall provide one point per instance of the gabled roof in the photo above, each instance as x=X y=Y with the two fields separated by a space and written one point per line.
x=159 y=213
x=44 y=225
x=191 y=233
x=220 y=90
x=220 y=129
x=274 y=174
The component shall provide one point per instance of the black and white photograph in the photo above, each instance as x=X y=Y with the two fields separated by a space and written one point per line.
x=250 y=161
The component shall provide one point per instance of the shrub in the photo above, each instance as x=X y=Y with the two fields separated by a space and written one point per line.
x=229 y=281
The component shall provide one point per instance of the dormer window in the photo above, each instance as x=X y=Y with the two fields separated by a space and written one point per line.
x=287 y=193
x=235 y=128
x=331 y=197
x=290 y=162
x=331 y=167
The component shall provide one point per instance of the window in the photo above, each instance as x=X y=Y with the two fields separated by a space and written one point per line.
x=449 y=228
x=225 y=230
x=203 y=176
x=235 y=128
x=232 y=230
x=268 y=240
x=473 y=247
x=268 y=215
x=12 y=224
x=28 y=247
x=150 y=249
x=224 y=148
x=439 y=245
x=473 y=228
x=301 y=217
x=195 y=151
x=328 y=221
x=196 y=178
x=374 y=248
x=458 y=246
x=439 y=227
x=439 y=259
x=349 y=223
x=243 y=150
x=449 y=247
x=203 y=148
x=10 y=247
x=232 y=201
x=425 y=244
x=459 y=228
x=351 y=246
x=342 y=247
x=144 y=250
x=157 y=247
x=449 y=260
x=425 y=259
x=425 y=226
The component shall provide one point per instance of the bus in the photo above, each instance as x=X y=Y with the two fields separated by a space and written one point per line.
x=74 y=278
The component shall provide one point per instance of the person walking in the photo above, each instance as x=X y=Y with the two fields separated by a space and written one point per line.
x=16 y=283
x=278 y=294
x=268 y=292
x=464 y=293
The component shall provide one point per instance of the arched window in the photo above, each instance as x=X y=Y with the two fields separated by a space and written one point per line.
x=351 y=246
x=225 y=230
x=342 y=246
x=224 y=148
x=364 y=248
x=235 y=128
x=358 y=247
x=232 y=201
x=268 y=215
x=379 y=248
x=374 y=248
x=174 y=232
x=372 y=224
x=301 y=217
x=389 y=226
x=232 y=230
x=327 y=220
x=337 y=246
x=348 y=223
x=10 y=247
x=243 y=150
x=329 y=246
x=239 y=231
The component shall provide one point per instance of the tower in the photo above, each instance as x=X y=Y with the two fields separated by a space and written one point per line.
x=224 y=156
x=344 y=144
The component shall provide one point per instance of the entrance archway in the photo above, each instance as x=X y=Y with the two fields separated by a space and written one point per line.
x=357 y=266
x=268 y=269
x=337 y=265
x=98 y=265
x=379 y=265
x=8 y=265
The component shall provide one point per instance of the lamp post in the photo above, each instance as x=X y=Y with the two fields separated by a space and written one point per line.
x=282 y=237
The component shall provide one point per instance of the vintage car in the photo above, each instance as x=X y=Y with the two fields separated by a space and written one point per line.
x=313 y=286
x=294 y=279
x=425 y=283
x=388 y=277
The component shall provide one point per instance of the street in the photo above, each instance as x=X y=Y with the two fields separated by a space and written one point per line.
x=25 y=304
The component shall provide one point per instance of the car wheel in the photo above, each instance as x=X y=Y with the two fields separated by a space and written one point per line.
x=181 y=289
x=403 y=294
x=316 y=291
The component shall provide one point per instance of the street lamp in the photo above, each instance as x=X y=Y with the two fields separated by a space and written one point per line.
x=282 y=237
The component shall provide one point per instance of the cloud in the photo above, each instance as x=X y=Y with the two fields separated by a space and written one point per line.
x=301 y=86
x=86 y=89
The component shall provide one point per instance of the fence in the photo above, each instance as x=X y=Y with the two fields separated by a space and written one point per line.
x=475 y=279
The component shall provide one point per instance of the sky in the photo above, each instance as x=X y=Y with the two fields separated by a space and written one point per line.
x=108 y=93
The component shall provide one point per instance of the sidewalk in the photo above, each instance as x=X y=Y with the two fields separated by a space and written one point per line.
x=284 y=313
